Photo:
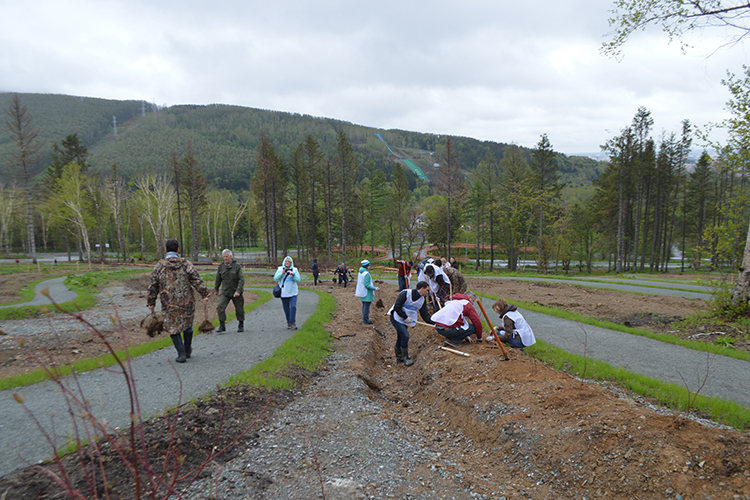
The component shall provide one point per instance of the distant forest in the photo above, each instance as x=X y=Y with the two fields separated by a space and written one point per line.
x=86 y=175
x=225 y=139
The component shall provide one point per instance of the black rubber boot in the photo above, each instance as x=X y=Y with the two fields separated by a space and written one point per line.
x=241 y=327
x=177 y=341
x=399 y=356
x=405 y=353
x=188 y=343
x=221 y=328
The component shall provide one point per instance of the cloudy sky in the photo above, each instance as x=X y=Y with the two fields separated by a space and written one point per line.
x=497 y=70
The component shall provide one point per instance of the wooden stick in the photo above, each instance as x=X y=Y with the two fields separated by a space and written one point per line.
x=460 y=353
x=492 y=329
x=423 y=323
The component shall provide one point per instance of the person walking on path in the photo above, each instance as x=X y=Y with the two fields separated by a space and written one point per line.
x=315 y=271
x=173 y=280
x=403 y=314
x=365 y=291
x=516 y=332
x=232 y=282
x=288 y=276
x=404 y=270
x=458 y=319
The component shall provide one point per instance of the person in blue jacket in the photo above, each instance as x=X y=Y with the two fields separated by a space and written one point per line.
x=288 y=276
x=365 y=291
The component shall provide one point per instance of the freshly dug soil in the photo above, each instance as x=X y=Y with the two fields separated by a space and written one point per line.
x=493 y=428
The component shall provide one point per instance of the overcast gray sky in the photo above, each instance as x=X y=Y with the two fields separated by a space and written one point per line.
x=505 y=71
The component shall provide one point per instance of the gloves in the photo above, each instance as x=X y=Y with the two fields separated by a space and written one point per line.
x=377 y=288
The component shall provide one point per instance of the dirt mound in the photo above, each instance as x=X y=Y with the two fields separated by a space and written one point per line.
x=520 y=421
x=514 y=426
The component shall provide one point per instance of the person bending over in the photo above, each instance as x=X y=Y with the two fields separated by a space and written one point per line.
x=458 y=319
x=403 y=314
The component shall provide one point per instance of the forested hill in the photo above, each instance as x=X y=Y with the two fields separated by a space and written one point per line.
x=224 y=138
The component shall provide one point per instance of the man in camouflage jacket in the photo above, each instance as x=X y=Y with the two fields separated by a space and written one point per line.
x=232 y=282
x=173 y=280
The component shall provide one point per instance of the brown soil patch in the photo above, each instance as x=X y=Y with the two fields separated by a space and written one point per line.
x=536 y=432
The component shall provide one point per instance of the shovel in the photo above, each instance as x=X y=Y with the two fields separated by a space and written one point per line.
x=505 y=353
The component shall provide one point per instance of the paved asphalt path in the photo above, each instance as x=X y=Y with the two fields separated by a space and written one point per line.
x=653 y=287
x=216 y=357
x=57 y=290
x=160 y=382
x=724 y=377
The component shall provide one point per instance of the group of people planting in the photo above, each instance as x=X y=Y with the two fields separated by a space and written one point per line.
x=174 y=279
x=453 y=314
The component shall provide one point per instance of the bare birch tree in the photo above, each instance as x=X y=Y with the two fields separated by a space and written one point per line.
x=26 y=138
x=157 y=200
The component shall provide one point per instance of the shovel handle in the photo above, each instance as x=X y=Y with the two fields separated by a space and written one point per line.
x=492 y=328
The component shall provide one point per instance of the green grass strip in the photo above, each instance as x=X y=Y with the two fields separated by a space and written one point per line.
x=307 y=349
x=84 y=365
x=672 y=396
x=84 y=284
x=661 y=337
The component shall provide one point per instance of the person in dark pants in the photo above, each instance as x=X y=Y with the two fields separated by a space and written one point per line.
x=315 y=271
x=404 y=270
x=344 y=274
x=365 y=290
x=230 y=278
x=515 y=332
x=173 y=281
x=403 y=314
x=288 y=276
x=458 y=319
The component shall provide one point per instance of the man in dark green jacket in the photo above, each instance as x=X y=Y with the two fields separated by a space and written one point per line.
x=231 y=280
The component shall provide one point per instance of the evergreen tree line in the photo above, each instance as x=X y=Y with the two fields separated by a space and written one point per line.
x=331 y=203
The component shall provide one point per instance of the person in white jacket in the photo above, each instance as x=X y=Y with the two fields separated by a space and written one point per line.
x=403 y=314
x=516 y=332
x=288 y=276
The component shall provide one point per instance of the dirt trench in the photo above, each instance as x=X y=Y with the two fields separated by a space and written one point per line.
x=547 y=434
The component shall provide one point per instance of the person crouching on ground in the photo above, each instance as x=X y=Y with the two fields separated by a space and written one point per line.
x=365 y=291
x=516 y=332
x=458 y=319
x=288 y=276
x=404 y=314
x=230 y=278
x=173 y=280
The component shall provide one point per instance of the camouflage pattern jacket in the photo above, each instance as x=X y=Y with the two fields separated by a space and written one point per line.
x=173 y=280
x=456 y=278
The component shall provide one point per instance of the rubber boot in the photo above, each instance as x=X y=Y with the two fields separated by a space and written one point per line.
x=188 y=342
x=241 y=327
x=221 y=328
x=177 y=341
x=399 y=356
x=405 y=353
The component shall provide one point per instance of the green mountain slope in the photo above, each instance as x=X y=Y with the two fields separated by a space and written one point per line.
x=224 y=138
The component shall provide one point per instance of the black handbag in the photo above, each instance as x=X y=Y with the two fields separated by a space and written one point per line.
x=277 y=288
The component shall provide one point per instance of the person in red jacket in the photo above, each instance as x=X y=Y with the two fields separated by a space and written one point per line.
x=458 y=319
x=404 y=270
